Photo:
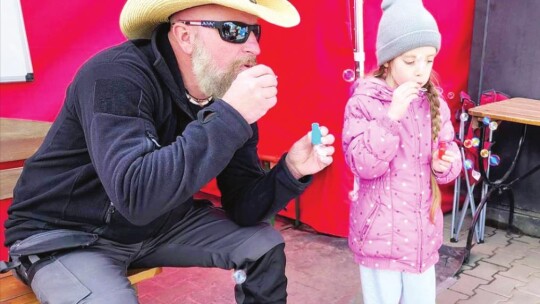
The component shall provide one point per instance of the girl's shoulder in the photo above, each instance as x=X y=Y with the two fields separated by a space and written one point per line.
x=371 y=88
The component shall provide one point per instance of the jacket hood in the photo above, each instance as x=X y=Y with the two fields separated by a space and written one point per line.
x=374 y=87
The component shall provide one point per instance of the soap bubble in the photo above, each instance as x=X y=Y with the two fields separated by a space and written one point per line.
x=494 y=160
x=349 y=75
x=484 y=153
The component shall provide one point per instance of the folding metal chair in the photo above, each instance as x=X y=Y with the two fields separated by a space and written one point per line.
x=469 y=142
x=470 y=180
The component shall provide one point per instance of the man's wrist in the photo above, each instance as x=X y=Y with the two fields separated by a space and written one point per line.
x=292 y=169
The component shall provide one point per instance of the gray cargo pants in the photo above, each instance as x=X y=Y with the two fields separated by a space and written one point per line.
x=204 y=238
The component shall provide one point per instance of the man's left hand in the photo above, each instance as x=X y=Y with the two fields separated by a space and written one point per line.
x=305 y=159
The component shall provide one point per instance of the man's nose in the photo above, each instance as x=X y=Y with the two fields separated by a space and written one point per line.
x=252 y=45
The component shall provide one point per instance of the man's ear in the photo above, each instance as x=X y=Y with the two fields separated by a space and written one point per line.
x=183 y=38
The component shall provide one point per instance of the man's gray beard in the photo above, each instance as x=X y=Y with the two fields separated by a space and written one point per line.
x=212 y=81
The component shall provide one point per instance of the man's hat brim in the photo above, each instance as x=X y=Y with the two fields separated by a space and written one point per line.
x=139 y=17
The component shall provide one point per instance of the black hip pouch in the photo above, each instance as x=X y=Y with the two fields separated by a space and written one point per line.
x=26 y=256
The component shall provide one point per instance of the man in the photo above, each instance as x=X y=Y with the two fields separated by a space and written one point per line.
x=144 y=126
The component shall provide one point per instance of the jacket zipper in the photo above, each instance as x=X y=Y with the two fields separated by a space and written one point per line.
x=421 y=197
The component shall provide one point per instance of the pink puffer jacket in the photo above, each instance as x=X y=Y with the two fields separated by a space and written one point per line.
x=389 y=216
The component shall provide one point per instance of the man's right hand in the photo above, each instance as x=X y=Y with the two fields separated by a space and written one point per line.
x=253 y=92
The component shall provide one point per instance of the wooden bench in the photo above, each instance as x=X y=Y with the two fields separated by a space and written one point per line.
x=13 y=291
x=19 y=139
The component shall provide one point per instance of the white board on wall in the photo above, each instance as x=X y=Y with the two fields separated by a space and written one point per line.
x=15 y=61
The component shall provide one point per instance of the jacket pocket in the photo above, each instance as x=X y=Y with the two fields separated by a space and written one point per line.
x=366 y=227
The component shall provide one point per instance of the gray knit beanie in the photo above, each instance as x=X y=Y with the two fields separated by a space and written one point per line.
x=405 y=25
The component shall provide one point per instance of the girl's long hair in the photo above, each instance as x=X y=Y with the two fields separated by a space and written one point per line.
x=434 y=104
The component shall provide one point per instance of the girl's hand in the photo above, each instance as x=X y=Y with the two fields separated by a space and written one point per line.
x=443 y=164
x=402 y=97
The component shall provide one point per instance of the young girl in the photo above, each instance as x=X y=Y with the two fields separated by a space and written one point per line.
x=398 y=142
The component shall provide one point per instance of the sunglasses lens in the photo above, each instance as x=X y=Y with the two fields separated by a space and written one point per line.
x=238 y=33
x=233 y=32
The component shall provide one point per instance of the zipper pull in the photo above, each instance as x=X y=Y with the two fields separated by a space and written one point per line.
x=153 y=139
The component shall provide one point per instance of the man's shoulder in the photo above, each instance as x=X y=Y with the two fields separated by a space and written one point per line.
x=128 y=52
x=125 y=60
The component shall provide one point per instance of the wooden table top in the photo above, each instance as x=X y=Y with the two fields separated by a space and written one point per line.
x=19 y=139
x=519 y=110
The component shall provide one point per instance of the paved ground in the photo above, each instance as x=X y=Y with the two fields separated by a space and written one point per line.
x=504 y=269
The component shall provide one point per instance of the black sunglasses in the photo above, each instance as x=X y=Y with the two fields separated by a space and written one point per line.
x=230 y=31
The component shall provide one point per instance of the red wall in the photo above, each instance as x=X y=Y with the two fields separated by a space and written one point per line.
x=309 y=60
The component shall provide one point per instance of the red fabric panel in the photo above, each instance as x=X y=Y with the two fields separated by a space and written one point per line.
x=61 y=37
x=309 y=61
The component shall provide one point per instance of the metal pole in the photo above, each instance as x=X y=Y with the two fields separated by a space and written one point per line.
x=359 y=55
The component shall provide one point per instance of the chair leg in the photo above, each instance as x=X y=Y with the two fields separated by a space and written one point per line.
x=297 y=212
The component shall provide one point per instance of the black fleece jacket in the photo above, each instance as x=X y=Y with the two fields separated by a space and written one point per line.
x=126 y=154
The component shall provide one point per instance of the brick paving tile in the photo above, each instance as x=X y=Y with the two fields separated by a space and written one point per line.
x=444 y=285
x=532 y=259
x=503 y=257
x=532 y=286
x=450 y=297
x=482 y=296
x=517 y=247
x=502 y=286
x=151 y=298
x=529 y=240
x=500 y=237
x=475 y=257
x=519 y=297
x=485 y=270
x=487 y=248
x=466 y=284
x=519 y=272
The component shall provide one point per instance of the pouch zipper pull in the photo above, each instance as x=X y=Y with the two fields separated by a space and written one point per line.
x=110 y=212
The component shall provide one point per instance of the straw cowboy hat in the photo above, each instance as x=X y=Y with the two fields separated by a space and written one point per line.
x=139 y=17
